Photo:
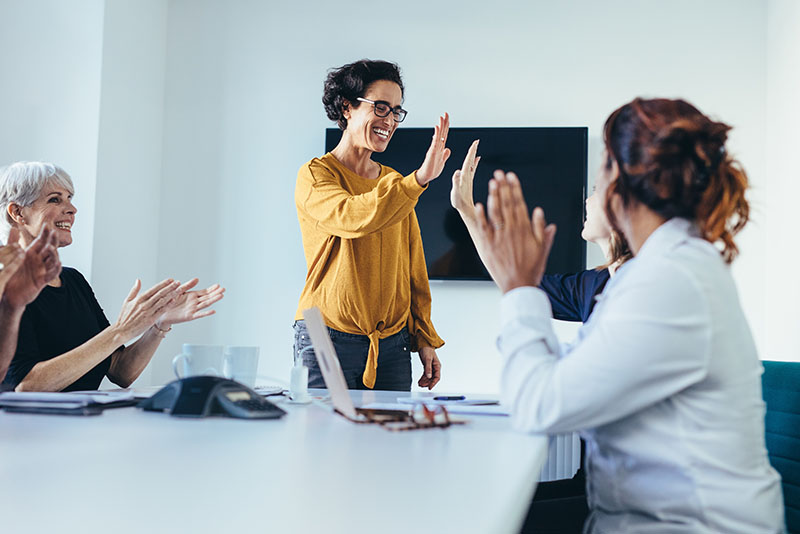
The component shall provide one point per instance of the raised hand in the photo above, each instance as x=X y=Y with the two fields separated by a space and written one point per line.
x=11 y=258
x=437 y=153
x=190 y=305
x=140 y=312
x=461 y=194
x=515 y=248
x=39 y=266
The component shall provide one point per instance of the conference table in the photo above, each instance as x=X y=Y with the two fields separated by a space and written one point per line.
x=130 y=471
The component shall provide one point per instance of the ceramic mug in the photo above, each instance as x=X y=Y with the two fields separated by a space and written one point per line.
x=241 y=364
x=198 y=360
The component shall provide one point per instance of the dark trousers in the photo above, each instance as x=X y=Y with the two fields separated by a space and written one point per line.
x=559 y=507
x=394 y=358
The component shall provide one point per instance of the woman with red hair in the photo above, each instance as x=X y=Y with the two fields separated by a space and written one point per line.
x=664 y=381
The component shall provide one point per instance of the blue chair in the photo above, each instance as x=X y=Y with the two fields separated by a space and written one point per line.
x=781 y=386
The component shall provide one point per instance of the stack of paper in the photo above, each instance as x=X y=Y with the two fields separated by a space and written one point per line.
x=73 y=403
x=464 y=406
x=464 y=401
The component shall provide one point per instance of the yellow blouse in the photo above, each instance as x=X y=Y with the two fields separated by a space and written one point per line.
x=366 y=268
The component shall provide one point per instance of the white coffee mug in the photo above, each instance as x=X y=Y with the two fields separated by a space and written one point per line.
x=241 y=364
x=198 y=360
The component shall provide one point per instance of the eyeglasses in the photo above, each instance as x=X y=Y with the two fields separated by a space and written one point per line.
x=383 y=108
x=395 y=420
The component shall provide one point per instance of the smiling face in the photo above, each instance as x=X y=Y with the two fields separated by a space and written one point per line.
x=54 y=207
x=367 y=130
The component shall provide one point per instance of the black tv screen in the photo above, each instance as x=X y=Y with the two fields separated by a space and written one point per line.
x=551 y=165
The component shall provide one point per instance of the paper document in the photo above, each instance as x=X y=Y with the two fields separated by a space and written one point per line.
x=465 y=401
x=385 y=406
x=461 y=409
x=466 y=409
x=73 y=398
x=145 y=392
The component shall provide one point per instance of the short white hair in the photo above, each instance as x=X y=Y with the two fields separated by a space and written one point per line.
x=22 y=183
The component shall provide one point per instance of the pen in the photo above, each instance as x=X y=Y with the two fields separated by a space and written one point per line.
x=449 y=398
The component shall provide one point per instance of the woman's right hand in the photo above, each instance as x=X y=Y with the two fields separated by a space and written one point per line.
x=140 y=312
x=437 y=153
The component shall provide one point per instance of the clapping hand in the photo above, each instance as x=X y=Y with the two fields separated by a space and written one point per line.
x=39 y=265
x=140 y=312
x=191 y=305
x=515 y=247
x=437 y=153
x=461 y=194
x=11 y=257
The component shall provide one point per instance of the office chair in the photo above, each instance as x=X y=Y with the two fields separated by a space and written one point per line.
x=781 y=387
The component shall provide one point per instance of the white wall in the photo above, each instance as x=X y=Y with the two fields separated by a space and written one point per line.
x=129 y=154
x=50 y=98
x=196 y=141
x=783 y=141
x=243 y=112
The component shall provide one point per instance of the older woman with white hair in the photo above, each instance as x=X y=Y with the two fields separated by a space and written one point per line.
x=66 y=343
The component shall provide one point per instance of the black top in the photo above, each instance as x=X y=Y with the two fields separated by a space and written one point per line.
x=572 y=295
x=60 y=319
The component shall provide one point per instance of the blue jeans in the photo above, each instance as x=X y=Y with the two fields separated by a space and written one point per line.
x=394 y=358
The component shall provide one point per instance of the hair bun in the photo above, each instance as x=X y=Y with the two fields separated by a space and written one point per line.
x=685 y=143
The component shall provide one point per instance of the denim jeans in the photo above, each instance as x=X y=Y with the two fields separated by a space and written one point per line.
x=394 y=358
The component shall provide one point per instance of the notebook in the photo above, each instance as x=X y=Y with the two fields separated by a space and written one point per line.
x=74 y=403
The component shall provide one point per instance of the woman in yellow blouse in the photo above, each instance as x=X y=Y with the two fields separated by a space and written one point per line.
x=366 y=268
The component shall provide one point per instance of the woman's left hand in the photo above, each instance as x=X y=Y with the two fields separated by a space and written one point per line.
x=437 y=153
x=515 y=247
x=461 y=192
x=191 y=305
x=432 y=372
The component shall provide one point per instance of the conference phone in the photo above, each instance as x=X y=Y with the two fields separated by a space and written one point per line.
x=203 y=396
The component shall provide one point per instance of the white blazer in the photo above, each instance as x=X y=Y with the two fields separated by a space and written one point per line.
x=663 y=382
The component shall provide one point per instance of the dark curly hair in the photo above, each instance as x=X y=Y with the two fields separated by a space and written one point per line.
x=672 y=159
x=345 y=84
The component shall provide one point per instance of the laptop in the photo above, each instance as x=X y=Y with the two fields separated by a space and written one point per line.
x=334 y=377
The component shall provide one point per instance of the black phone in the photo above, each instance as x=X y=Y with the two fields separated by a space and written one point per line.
x=203 y=396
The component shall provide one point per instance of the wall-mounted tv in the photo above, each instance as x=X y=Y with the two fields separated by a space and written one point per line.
x=550 y=162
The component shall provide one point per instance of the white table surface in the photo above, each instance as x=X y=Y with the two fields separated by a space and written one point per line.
x=312 y=471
